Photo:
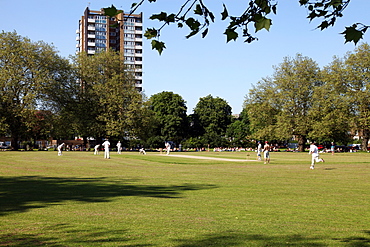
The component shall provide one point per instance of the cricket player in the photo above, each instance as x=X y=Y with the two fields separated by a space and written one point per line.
x=60 y=149
x=142 y=151
x=106 y=146
x=259 y=149
x=96 y=149
x=119 y=148
x=315 y=155
x=168 y=148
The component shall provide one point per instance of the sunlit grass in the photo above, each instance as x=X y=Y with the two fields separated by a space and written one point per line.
x=80 y=199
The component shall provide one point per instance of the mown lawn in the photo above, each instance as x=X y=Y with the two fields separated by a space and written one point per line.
x=80 y=199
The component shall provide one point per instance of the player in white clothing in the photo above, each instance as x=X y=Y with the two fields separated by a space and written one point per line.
x=96 y=149
x=315 y=155
x=119 y=148
x=60 y=149
x=168 y=148
x=259 y=149
x=106 y=146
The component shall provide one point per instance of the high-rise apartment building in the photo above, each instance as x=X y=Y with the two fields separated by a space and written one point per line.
x=98 y=32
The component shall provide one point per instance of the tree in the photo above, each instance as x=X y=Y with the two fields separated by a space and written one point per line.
x=357 y=66
x=107 y=103
x=255 y=17
x=27 y=70
x=40 y=125
x=262 y=110
x=238 y=131
x=214 y=115
x=289 y=96
x=332 y=119
x=170 y=114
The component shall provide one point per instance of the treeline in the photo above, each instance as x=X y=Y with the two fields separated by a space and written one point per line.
x=44 y=95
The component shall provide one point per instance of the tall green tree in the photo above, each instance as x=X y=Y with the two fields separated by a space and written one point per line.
x=262 y=110
x=332 y=120
x=289 y=94
x=214 y=116
x=170 y=114
x=357 y=65
x=107 y=103
x=27 y=71
x=197 y=17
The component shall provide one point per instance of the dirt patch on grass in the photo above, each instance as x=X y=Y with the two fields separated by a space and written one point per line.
x=208 y=158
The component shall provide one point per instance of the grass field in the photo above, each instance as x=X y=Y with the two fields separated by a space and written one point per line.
x=79 y=199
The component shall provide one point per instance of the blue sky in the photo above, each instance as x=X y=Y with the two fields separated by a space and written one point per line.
x=196 y=67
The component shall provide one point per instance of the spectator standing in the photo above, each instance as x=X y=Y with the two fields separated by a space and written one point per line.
x=266 y=153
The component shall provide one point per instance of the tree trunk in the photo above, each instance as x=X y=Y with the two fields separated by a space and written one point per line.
x=15 y=140
x=365 y=139
x=84 y=138
x=301 y=143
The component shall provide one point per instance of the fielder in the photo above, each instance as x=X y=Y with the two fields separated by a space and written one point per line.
x=315 y=155
x=168 y=148
x=96 y=149
x=119 y=148
x=60 y=149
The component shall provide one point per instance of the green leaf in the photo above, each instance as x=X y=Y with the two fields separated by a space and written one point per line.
x=114 y=25
x=323 y=25
x=224 y=14
x=192 y=23
x=151 y=33
x=161 y=17
x=198 y=10
x=111 y=11
x=170 y=18
x=231 y=34
x=352 y=34
x=133 y=5
x=158 y=45
x=192 y=33
x=262 y=23
x=336 y=3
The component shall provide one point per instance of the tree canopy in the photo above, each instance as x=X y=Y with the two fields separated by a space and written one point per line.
x=43 y=95
x=303 y=101
x=107 y=102
x=28 y=71
x=213 y=114
x=197 y=17
x=170 y=115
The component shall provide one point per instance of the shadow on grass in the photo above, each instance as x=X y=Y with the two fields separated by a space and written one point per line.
x=70 y=237
x=244 y=239
x=19 y=194
x=123 y=238
x=357 y=241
